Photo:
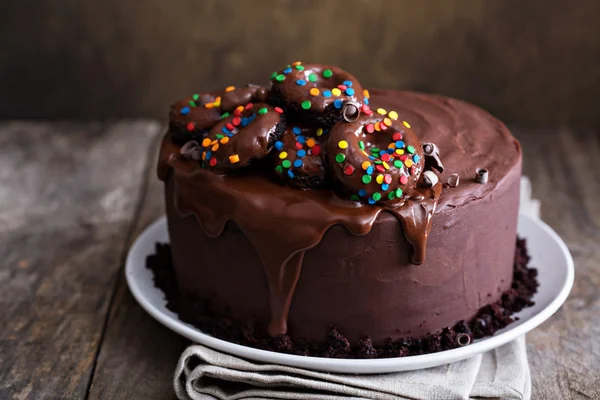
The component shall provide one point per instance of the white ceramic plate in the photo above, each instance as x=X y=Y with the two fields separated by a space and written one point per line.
x=549 y=255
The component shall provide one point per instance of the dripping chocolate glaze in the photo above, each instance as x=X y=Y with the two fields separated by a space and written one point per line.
x=282 y=222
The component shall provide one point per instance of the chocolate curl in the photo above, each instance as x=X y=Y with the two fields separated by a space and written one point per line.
x=454 y=180
x=432 y=157
x=430 y=178
x=481 y=175
x=351 y=111
x=191 y=150
x=462 y=339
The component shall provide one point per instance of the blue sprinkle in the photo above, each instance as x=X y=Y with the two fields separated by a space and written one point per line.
x=298 y=163
x=327 y=93
x=338 y=104
x=230 y=134
x=371 y=200
x=416 y=158
x=296 y=130
x=279 y=145
x=287 y=70
x=185 y=111
x=244 y=121
x=372 y=158
x=370 y=170
x=290 y=173
x=399 y=144
x=347 y=83
x=301 y=82
x=251 y=118
x=366 y=101
x=301 y=153
x=300 y=139
x=225 y=130
x=362 y=192
x=350 y=91
x=385 y=187
x=208 y=155
x=382 y=152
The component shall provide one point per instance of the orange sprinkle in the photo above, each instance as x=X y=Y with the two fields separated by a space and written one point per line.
x=387 y=122
x=408 y=162
x=234 y=158
x=392 y=146
x=215 y=147
x=377 y=127
x=206 y=142
x=366 y=93
x=311 y=143
x=209 y=105
x=296 y=63
x=230 y=88
x=203 y=156
x=314 y=91
x=224 y=140
x=240 y=108
x=365 y=165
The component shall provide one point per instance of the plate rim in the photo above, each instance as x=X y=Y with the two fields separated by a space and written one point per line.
x=355 y=366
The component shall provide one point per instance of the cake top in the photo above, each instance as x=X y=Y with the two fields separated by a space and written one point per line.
x=312 y=128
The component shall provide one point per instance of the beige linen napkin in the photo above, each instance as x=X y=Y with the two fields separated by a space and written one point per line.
x=503 y=373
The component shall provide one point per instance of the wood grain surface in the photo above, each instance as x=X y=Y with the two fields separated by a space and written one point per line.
x=73 y=196
x=534 y=63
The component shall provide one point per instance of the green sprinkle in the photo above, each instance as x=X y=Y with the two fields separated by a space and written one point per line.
x=366 y=179
x=220 y=136
x=273 y=75
x=410 y=149
x=377 y=162
x=224 y=115
x=361 y=144
x=391 y=195
x=340 y=157
x=376 y=196
x=375 y=150
x=280 y=78
x=312 y=77
x=279 y=169
x=354 y=198
x=306 y=104
x=286 y=163
x=398 y=193
x=299 y=67
x=262 y=110
x=195 y=97
x=327 y=73
x=398 y=164
x=191 y=103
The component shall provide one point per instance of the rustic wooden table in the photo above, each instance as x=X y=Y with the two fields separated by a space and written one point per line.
x=73 y=196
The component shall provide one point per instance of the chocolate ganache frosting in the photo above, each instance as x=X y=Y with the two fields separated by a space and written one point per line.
x=324 y=154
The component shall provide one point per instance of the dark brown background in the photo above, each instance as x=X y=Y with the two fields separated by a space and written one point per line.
x=532 y=63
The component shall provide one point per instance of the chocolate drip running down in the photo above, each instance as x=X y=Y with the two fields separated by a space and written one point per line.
x=282 y=222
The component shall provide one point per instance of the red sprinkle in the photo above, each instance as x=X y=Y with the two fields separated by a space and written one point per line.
x=190 y=126
x=249 y=106
x=348 y=170
x=237 y=112
x=397 y=136
x=299 y=145
x=236 y=121
x=229 y=126
x=213 y=162
x=380 y=168
x=342 y=87
x=366 y=109
x=404 y=179
x=385 y=157
x=370 y=128
x=413 y=169
x=316 y=150
x=383 y=126
x=403 y=157
x=387 y=179
x=279 y=110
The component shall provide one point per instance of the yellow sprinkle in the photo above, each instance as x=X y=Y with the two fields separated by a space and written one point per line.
x=343 y=144
x=408 y=163
x=217 y=102
x=296 y=63
x=366 y=93
x=215 y=147
x=206 y=142
x=365 y=165
x=393 y=115
x=319 y=131
x=385 y=165
x=392 y=146
x=365 y=153
x=234 y=158
x=224 y=140
x=336 y=92
x=381 y=111
x=282 y=155
x=310 y=143
x=379 y=179
x=406 y=124
x=240 y=108
x=377 y=127
x=314 y=91
x=229 y=88
x=387 y=122
x=399 y=151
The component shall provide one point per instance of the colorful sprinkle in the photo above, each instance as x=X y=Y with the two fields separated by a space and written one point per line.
x=279 y=169
x=283 y=155
x=365 y=165
x=319 y=131
x=376 y=196
x=327 y=73
x=347 y=83
x=366 y=93
x=301 y=153
x=350 y=92
x=336 y=92
x=299 y=67
x=287 y=70
x=354 y=198
x=410 y=149
x=370 y=128
x=185 y=111
x=196 y=96
x=398 y=193
x=224 y=140
x=229 y=89
x=393 y=115
x=327 y=93
x=279 y=145
x=300 y=82
x=397 y=163
x=342 y=144
x=366 y=179
x=298 y=163
x=387 y=122
x=340 y=157
x=286 y=163
x=234 y=158
x=290 y=173
x=262 y=110
x=306 y=104
x=381 y=111
x=315 y=151
x=348 y=170
x=311 y=142
x=406 y=124
x=338 y=104
x=190 y=126
x=314 y=91
x=312 y=77
x=280 y=78
x=279 y=110
x=362 y=192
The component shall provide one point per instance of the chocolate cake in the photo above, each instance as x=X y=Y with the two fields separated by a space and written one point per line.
x=313 y=209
